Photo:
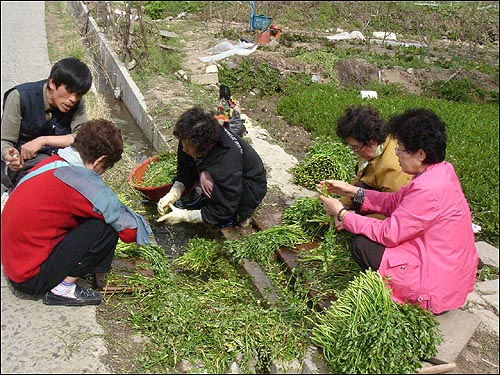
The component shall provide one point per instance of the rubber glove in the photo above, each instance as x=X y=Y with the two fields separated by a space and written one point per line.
x=180 y=215
x=171 y=197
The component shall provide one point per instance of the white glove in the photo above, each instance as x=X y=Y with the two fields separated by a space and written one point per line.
x=171 y=197
x=179 y=215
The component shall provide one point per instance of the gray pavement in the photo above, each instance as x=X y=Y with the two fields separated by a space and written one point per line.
x=36 y=338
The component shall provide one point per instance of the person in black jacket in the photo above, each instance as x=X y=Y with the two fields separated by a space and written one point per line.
x=41 y=117
x=228 y=171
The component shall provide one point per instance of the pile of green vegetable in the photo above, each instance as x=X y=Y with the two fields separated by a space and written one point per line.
x=160 y=172
x=209 y=321
x=261 y=246
x=325 y=160
x=365 y=332
x=200 y=256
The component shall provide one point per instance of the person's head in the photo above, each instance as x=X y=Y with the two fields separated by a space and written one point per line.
x=69 y=80
x=363 y=129
x=99 y=142
x=421 y=138
x=198 y=132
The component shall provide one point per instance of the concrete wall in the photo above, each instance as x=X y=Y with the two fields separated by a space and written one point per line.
x=120 y=78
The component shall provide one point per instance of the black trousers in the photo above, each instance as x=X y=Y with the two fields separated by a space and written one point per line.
x=366 y=253
x=87 y=248
x=10 y=179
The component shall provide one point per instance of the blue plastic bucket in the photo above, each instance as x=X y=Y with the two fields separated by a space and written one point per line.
x=261 y=22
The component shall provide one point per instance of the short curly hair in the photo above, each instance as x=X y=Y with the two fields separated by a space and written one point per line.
x=198 y=128
x=420 y=129
x=363 y=123
x=96 y=138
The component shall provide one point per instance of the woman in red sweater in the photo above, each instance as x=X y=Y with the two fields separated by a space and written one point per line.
x=61 y=222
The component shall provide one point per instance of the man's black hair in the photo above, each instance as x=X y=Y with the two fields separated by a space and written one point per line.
x=73 y=73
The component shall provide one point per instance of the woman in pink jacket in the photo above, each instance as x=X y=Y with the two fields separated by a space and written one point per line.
x=425 y=248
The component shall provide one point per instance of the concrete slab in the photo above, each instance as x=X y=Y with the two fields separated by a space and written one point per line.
x=488 y=290
x=261 y=283
x=41 y=339
x=487 y=253
x=205 y=79
x=457 y=327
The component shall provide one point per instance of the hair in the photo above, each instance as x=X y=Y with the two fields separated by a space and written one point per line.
x=420 y=129
x=72 y=73
x=363 y=124
x=99 y=137
x=199 y=128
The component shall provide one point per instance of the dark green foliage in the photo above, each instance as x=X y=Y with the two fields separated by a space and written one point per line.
x=365 y=332
x=328 y=160
x=252 y=75
x=459 y=90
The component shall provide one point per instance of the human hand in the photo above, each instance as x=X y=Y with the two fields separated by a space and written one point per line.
x=30 y=149
x=339 y=225
x=332 y=205
x=171 y=197
x=13 y=159
x=206 y=183
x=179 y=215
x=337 y=187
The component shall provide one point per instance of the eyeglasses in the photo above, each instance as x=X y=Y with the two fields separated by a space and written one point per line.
x=356 y=148
x=399 y=150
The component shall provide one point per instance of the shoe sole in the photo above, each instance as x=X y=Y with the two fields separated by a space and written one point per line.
x=61 y=301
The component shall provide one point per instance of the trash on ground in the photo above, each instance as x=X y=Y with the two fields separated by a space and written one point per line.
x=226 y=48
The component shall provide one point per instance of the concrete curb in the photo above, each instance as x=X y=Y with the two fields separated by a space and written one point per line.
x=121 y=81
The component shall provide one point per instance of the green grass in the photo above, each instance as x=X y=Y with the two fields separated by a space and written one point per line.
x=472 y=130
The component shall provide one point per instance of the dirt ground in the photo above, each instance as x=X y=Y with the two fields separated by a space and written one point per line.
x=124 y=344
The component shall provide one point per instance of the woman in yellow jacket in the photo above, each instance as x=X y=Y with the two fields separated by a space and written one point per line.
x=364 y=130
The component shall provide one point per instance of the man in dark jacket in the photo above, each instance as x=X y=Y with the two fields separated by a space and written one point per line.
x=229 y=172
x=41 y=117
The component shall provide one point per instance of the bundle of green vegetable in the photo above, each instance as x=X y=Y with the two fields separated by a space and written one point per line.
x=309 y=213
x=326 y=160
x=261 y=245
x=160 y=172
x=330 y=264
x=365 y=332
x=200 y=255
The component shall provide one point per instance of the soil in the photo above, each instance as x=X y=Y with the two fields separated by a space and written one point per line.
x=124 y=344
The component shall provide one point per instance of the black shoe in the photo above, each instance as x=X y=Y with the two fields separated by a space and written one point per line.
x=83 y=297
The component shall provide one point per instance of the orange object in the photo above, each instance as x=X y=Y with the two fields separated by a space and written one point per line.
x=264 y=37
x=221 y=119
x=275 y=30
x=154 y=193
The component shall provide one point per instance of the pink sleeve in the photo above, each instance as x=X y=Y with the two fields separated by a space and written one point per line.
x=412 y=209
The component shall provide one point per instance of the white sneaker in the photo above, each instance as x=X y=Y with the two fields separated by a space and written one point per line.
x=5 y=196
